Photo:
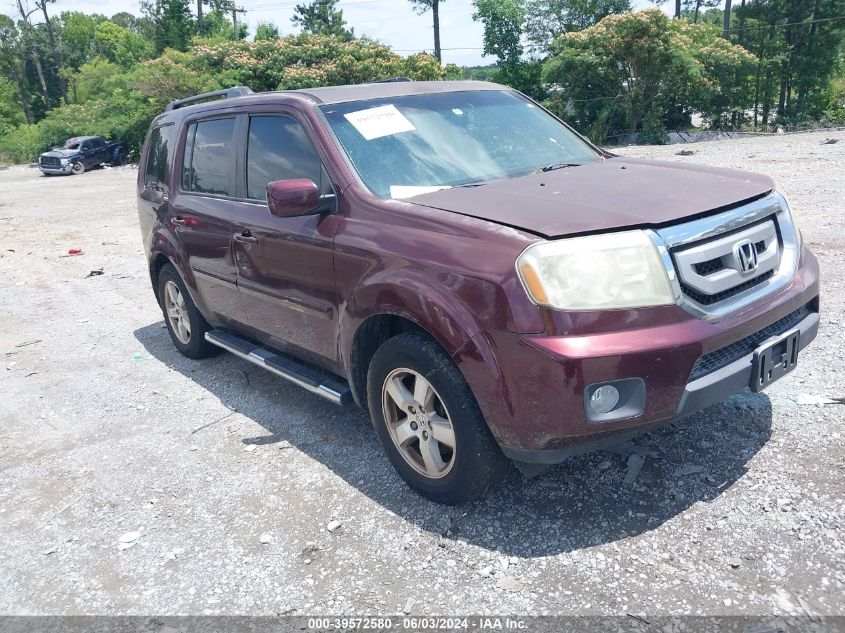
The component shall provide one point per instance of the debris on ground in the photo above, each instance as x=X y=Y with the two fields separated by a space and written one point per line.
x=685 y=152
x=94 y=273
x=691 y=469
x=829 y=141
x=812 y=399
x=509 y=583
x=74 y=251
x=266 y=539
x=333 y=525
x=128 y=540
x=635 y=465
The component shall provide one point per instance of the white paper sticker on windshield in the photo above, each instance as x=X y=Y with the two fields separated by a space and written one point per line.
x=400 y=192
x=378 y=122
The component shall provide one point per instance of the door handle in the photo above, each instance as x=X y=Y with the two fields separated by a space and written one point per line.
x=179 y=220
x=245 y=238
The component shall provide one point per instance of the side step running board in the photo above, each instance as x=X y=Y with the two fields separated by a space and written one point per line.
x=314 y=380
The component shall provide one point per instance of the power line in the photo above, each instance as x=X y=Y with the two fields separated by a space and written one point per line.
x=775 y=26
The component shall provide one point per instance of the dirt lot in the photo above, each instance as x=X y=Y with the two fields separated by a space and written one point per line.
x=230 y=476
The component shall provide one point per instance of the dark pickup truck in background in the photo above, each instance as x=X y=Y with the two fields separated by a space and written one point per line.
x=81 y=153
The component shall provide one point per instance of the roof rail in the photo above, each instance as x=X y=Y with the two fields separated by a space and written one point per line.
x=392 y=79
x=226 y=93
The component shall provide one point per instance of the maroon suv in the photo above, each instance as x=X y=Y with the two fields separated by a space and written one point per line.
x=456 y=260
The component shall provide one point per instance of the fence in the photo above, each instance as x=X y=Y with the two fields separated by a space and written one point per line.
x=698 y=136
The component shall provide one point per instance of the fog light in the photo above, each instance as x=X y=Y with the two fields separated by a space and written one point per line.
x=604 y=399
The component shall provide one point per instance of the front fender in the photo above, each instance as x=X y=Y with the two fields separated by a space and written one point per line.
x=412 y=295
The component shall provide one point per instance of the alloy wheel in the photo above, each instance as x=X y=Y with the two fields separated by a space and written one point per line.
x=177 y=312
x=418 y=423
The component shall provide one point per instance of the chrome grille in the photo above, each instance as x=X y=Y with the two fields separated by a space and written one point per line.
x=716 y=269
x=50 y=161
x=719 y=263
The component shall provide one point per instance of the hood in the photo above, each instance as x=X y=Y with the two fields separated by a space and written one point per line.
x=610 y=194
x=61 y=153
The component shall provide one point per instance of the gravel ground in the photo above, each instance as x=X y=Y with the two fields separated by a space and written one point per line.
x=135 y=481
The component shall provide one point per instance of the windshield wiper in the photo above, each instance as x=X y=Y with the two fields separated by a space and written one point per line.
x=554 y=166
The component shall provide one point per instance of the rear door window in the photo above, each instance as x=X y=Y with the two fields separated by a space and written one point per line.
x=208 y=165
x=278 y=148
x=156 y=172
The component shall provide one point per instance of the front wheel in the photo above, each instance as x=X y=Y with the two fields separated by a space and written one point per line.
x=429 y=423
x=78 y=168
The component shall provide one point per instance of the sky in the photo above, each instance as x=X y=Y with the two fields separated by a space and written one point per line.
x=392 y=22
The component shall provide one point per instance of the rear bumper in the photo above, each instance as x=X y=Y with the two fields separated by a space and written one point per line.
x=531 y=387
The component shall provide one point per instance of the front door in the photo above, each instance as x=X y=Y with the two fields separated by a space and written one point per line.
x=201 y=216
x=285 y=265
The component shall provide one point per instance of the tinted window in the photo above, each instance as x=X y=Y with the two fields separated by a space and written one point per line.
x=158 y=157
x=97 y=142
x=209 y=163
x=279 y=149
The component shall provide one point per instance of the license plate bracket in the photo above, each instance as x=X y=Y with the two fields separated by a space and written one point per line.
x=774 y=358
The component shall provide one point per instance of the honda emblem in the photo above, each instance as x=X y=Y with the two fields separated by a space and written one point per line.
x=745 y=254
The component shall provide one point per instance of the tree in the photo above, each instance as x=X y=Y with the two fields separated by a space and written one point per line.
x=503 y=21
x=76 y=32
x=12 y=61
x=173 y=23
x=54 y=46
x=120 y=46
x=266 y=31
x=422 y=6
x=642 y=71
x=28 y=39
x=546 y=20
x=322 y=17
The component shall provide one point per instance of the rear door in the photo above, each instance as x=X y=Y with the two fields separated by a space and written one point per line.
x=201 y=208
x=285 y=265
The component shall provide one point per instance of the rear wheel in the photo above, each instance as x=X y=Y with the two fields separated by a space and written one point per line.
x=186 y=325
x=429 y=423
x=78 y=168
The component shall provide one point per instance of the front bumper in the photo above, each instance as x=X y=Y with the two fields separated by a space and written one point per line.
x=55 y=169
x=531 y=387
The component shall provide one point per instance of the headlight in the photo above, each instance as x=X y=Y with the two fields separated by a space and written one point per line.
x=612 y=270
x=64 y=161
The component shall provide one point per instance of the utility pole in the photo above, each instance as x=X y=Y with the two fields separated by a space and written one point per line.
x=235 y=10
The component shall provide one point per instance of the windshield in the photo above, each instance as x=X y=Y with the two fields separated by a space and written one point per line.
x=405 y=146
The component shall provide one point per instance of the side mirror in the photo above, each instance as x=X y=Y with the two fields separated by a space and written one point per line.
x=291 y=198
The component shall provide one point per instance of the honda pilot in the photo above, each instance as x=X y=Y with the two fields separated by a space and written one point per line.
x=490 y=286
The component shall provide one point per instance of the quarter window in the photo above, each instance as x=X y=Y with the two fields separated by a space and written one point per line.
x=208 y=164
x=156 y=174
x=279 y=149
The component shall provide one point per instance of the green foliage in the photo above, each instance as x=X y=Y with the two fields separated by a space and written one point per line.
x=11 y=112
x=503 y=22
x=304 y=61
x=119 y=45
x=640 y=71
x=77 y=31
x=546 y=20
x=174 y=24
x=322 y=17
x=266 y=31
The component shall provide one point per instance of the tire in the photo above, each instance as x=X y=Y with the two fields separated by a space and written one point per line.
x=467 y=470
x=186 y=325
x=78 y=168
